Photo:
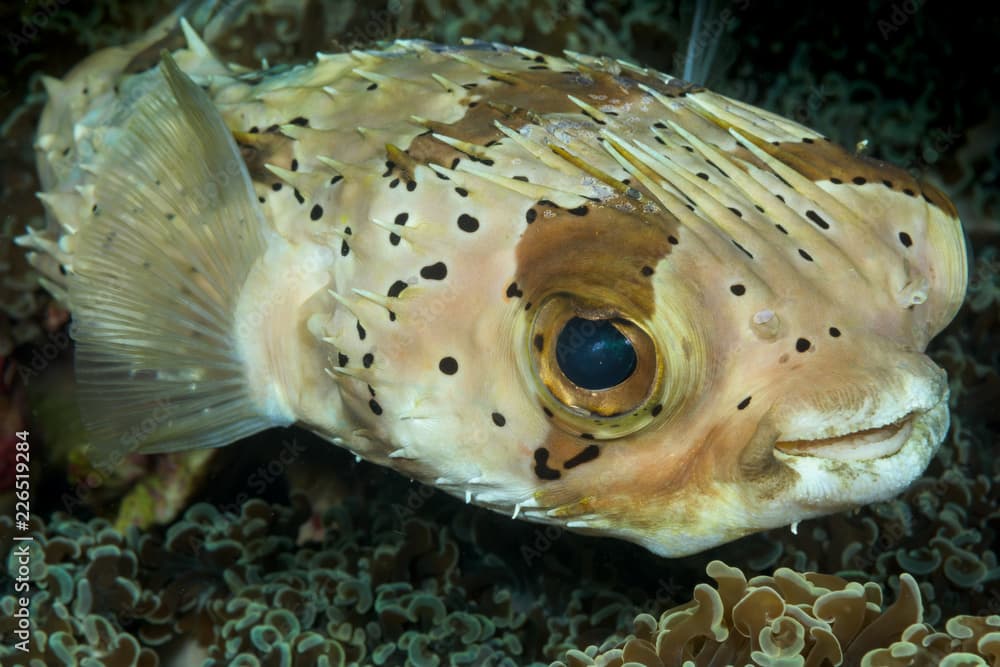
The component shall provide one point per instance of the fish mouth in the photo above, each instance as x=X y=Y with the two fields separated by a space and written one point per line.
x=864 y=445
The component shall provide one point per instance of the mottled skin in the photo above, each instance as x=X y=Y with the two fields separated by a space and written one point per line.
x=429 y=217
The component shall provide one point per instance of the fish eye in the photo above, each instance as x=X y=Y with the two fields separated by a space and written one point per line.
x=594 y=354
x=596 y=370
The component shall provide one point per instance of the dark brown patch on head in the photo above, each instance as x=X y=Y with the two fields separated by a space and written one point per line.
x=939 y=199
x=516 y=103
x=260 y=148
x=594 y=257
x=828 y=161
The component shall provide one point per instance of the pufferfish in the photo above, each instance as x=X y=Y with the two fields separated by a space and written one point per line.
x=571 y=289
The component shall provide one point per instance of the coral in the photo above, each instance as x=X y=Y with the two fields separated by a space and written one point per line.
x=237 y=590
x=791 y=618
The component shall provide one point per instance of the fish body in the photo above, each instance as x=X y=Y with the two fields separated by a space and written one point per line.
x=571 y=289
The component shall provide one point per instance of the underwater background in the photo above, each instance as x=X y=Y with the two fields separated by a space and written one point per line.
x=283 y=550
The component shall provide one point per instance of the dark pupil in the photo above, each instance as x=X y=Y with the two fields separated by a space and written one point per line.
x=593 y=354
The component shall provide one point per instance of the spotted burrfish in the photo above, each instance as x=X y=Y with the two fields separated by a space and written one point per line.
x=568 y=288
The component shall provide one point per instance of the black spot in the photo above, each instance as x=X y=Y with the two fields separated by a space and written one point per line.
x=376 y=408
x=542 y=469
x=397 y=288
x=905 y=239
x=342 y=359
x=361 y=331
x=467 y=223
x=815 y=217
x=335 y=179
x=859 y=180
x=344 y=249
x=806 y=256
x=295 y=164
x=802 y=344
x=436 y=271
x=702 y=175
x=887 y=183
x=908 y=192
x=454 y=163
x=780 y=198
x=744 y=403
x=736 y=212
x=672 y=240
x=462 y=192
x=738 y=289
x=531 y=215
x=448 y=365
x=745 y=251
x=716 y=167
x=372 y=86
x=647 y=270
x=589 y=454
x=835 y=181
x=587 y=436
x=781 y=229
x=835 y=332
x=394 y=182
x=389 y=166
x=499 y=419
x=275 y=186
x=657 y=409
x=759 y=207
x=807 y=140
x=300 y=121
x=393 y=238
x=548 y=413
x=298 y=196
x=254 y=130
x=411 y=186
x=539 y=342
x=316 y=213
x=272 y=129
x=261 y=200
x=368 y=359
x=523 y=179
x=371 y=390
x=514 y=291
x=579 y=210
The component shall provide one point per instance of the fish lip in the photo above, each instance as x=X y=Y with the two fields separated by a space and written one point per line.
x=866 y=444
x=873 y=442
